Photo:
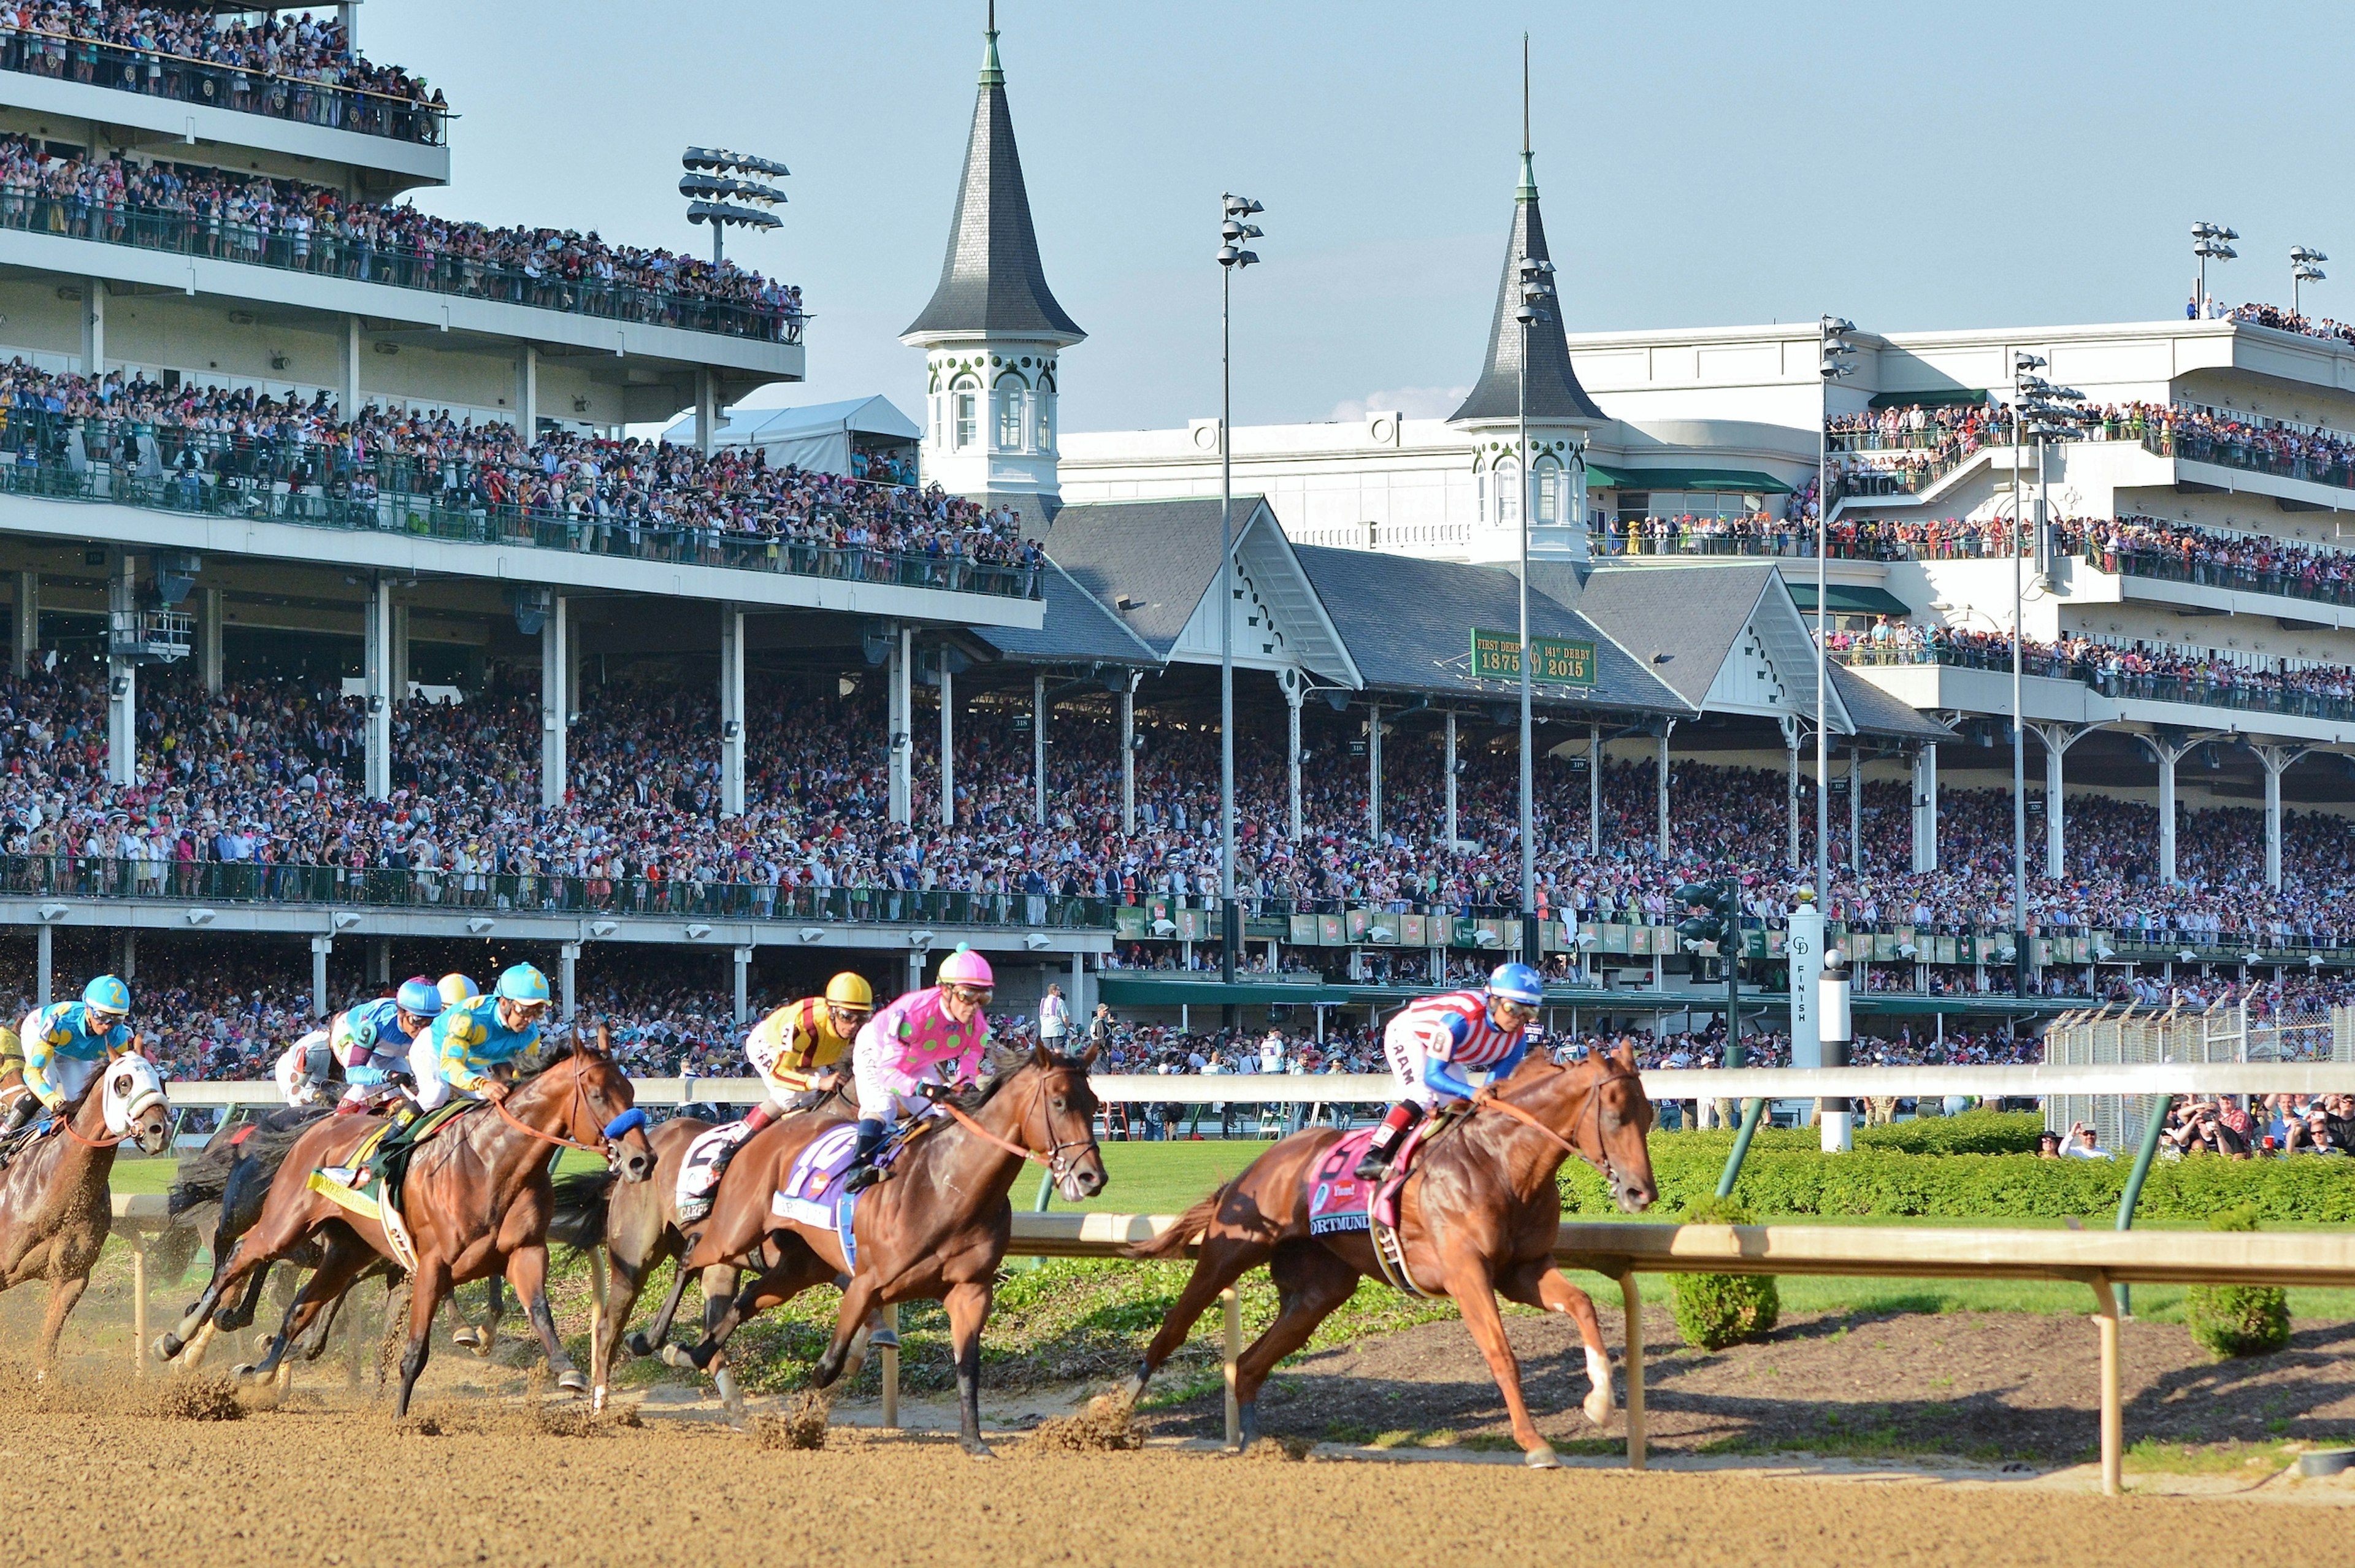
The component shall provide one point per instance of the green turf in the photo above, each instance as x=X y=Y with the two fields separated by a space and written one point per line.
x=134 y=1173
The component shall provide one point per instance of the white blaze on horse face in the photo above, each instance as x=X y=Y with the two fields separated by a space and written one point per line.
x=132 y=1085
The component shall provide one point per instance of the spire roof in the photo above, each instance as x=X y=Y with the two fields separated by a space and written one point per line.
x=992 y=280
x=1555 y=391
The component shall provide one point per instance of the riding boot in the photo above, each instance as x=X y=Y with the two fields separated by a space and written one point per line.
x=760 y=1117
x=14 y=1123
x=864 y=1172
x=1394 y=1124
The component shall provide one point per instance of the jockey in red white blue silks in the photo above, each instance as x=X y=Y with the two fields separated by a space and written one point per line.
x=369 y=1043
x=918 y=1047
x=1432 y=1041
x=66 y=1042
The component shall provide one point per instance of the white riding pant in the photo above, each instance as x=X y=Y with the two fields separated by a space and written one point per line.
x=881 y=1097
x=1406 y=1054
x=69 y=1075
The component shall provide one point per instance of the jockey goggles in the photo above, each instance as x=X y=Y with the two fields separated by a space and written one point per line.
x=963 y=993
x=1517 y=1012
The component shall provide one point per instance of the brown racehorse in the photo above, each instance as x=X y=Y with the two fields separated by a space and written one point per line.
x=935 y=1229
x=54 y=1208
x=476 y=1202
x=1477 y=1216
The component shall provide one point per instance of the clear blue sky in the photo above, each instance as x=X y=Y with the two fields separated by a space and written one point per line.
x=1706 y=163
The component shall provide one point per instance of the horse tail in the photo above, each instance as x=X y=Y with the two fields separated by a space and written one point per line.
x=1193 y=1223
x=578 y=1219
x=206 y=1178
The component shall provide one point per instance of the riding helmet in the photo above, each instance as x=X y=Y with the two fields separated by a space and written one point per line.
x=107 y=995
x=523 y=983
x=850 y=991
x=1518 y=982
x=966 y=967
x=419 y=998
x=456 y=989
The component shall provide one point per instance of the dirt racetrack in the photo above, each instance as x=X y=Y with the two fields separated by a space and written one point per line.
x=107 y=1477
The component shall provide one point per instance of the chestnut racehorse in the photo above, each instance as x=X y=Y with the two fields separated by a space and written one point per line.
x=55 y=1209
x=476 y=1203
x=1477 y=1216
x=935 y=1229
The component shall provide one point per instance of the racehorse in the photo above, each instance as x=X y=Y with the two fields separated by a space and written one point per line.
x=476 y=1202
x=54 y=1208
x=1476 y=1215
x=935 y=1231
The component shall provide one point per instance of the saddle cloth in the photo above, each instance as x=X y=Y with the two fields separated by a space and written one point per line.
x=369 y=1180
x=692 y=1195
x=1338 y=1202
x=813 y=1194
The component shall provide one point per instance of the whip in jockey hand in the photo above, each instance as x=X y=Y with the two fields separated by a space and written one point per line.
x=1433 y=1041
x=367 y=1046
x=795 y=1051
x=64 y=1044
x=932 y=1037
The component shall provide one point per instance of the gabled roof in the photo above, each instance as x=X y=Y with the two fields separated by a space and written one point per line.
x=1163 y=558
x=875 y=415
x=1554 y=392
x=1079 y=628
x=1409 y=626
x=1875 y=712
x=992 y=280
x=1688 y=626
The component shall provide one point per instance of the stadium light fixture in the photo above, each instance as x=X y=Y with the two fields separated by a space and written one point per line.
x=1232 y=258
x=1538 y=302
x=2209 y=241
x=2304 y=267
x=717 y=191
x=1835 y=358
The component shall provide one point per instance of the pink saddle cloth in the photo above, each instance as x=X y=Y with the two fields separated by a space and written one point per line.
x=1338 y=1202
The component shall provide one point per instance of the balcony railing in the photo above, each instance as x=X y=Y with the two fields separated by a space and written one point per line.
x=131 y=465
x=1785 y=540
x=2228 y=451
x=323 y=253
x=247 y=883
x=155 y=73
x=2204 y=691
x=2168 y=567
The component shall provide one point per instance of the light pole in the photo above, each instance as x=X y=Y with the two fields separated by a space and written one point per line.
x=2023 y=381
x=2304 y=267
x=1833 y=361
x=1537 y=305
x=713 y=187
x=2209 y=240
x=1232 y=257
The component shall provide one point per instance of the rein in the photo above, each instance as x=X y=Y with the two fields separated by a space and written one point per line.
x=92 y=1143
x=1488 y=1099
x=604 y=1146
x=1053 y=1160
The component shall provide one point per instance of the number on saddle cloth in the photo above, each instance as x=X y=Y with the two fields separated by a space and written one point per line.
x=700 y=1174
x=1338 y=1202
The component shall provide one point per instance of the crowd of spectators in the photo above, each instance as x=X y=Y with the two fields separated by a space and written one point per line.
x=2157 y=547
x=200 y=210
x=294 y=67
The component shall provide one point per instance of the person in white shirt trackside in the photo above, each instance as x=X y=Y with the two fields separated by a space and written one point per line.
x=1054 y=1020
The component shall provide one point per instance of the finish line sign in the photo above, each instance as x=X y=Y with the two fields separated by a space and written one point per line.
x=1497 y=656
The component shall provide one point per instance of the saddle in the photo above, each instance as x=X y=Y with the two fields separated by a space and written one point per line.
x=813 y=1192
x=369 y=1182
x=1339 y=1203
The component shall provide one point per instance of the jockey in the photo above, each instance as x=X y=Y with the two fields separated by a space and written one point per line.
x=369 y=1043
x=1431 y=1041
x=795 y=1051
x=919 y=1048
x=459 y=1052
x=64 y=1043
x=456 y=989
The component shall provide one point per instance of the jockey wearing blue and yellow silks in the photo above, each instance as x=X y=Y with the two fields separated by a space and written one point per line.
x=468 y=1040
x=64 y=1044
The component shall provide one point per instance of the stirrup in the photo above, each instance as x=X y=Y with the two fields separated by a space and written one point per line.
x=860 y=1180
x=1374 y=1167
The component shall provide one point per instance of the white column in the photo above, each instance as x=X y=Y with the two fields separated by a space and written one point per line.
x=900 y=708
x=209 y=638
x=1856 y=808
x=400 y=653
x=1083 y=1005
x=1039 y=749
x=1128 y=754
x=1451 y=781
x=93 y=328
x=2166 y=755
x=568 y=968
x=1374 y=771
x=1295 y=692
x=376 y=667
x=44 y=967
x=555 y=700
x=121 y=677
x=707 y=410
x=1926 y=811
x=731 y=709
x=320 y=947
x=1665 y=729
x=1594 y=780
x=348 y=386
x=380 y=960
x=1804 y=945
x=527 y=392
x=1791 y=785
x=744 y=974
x=948 y=741
x=2276 y=761
x=28 y=620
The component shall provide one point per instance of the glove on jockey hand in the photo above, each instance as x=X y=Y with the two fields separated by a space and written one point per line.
x=934 y=1091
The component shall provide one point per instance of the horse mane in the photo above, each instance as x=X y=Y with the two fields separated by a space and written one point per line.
x=1005 y=1063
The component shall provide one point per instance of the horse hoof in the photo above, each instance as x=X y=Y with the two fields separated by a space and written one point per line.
x=469 y=1337
x=244 y=1373
x=1598 y=1407
x=167 y=1346
x=975 y=1448
x=573 y=1383
x=1542 y=1459
x=674 y=1355
x=637 y=1344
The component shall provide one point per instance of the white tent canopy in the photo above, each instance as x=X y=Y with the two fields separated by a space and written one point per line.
x=817 y=438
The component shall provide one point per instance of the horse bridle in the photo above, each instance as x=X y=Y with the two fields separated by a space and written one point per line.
x=1057 y=1165
x=604 y=1143
x=1488 y=1099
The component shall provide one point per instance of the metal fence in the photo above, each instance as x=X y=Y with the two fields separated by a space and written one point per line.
x=2223 y=1032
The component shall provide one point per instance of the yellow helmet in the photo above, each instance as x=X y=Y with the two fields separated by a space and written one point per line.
x=456 y=989
x=850 y=990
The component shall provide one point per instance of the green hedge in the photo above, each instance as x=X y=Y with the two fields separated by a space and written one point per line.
x=1787 y=1181
x=1973 y=1132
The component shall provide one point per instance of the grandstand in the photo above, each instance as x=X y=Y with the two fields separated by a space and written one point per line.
x=353 y=633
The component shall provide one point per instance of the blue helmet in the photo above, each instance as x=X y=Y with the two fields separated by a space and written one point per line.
x=419 y=998
x=1518 y=982
x=523 y=983
x=107 y=995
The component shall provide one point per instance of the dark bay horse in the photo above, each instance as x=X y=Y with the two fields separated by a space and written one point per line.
x=935 y=1231
x=54 y=1208
x=476 y=1203
x=1477 y=1216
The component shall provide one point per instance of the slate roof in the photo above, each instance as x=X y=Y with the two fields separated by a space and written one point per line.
x=1161 y=554
x=1878 y=713
x=1555 y=391
x=992 y=280
x=1079 y=628
x=1679 y=626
